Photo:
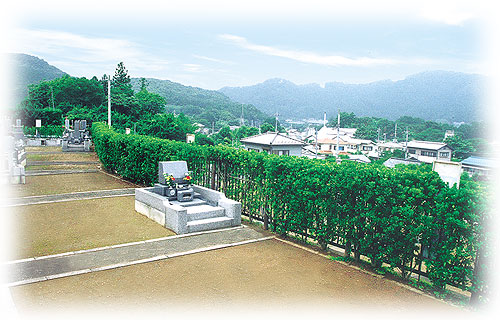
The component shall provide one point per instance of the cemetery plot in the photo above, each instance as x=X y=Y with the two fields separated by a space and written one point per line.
x=62 y=157
x=43 y=149
x=33 y=169
x=46 y=229
x=67 y=183
x=268 y=273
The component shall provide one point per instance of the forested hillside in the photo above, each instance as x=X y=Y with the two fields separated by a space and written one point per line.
x=437 y=95
x=205 y=106
x=29 y=70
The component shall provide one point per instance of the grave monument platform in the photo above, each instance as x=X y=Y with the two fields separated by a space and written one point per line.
x=185 y=208
x=76 y=139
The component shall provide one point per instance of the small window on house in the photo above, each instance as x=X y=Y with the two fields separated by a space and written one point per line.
x=412 y=151
x=285 y=152
x=444 y=154
x=367 y=148
x=428 y=153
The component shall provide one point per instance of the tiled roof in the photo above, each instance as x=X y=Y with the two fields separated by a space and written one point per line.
x=272 y=138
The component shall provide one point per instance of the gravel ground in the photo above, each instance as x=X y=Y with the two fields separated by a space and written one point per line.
x=268 y=274
x=45 y=229
x=57 y=184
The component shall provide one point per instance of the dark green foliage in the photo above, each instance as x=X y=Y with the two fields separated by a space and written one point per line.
x=62 y=96
x=386 y=215
x=204 y=106
x=461 y=148
x=166 y=126
x=45 y=131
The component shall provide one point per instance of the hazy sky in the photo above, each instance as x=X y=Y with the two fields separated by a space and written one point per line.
x=212 y=44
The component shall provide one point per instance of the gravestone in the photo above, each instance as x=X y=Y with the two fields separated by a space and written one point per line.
x=174 y=181
x=76 y=139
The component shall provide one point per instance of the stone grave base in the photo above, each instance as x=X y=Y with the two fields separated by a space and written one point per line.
x=39 y=142
x=70 y=147
x=209 y=210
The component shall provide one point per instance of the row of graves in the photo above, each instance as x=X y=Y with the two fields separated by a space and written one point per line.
x=177 y=204
x=13 y=159
x=77 y=138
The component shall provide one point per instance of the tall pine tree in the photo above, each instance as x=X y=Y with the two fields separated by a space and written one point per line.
x=121 y=80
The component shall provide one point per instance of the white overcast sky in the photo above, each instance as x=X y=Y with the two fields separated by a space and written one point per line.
x=212 y=44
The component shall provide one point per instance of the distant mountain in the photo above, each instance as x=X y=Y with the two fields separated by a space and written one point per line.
x=29 y=70
x=434 y=95
x=201 y=104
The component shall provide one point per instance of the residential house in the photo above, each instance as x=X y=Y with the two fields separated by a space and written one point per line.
x=427 y=151
x=389 y=146
x=479 y=165
x=275 y=143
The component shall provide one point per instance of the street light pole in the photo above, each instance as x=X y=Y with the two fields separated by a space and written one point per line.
x=109 y=101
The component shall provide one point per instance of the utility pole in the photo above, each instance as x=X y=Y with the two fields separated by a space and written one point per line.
x=338 y=132
x=406 y=144
x=384 y=136
x=242 y=121
x=324 y=119
x=52 y=97
x=276 y=122
x=378 y=134
x=395 y=132
x=109 y=101
x=316 y=131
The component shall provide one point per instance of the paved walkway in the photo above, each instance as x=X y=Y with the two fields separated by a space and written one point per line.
x=51 y=172
x=49 y=163
x=85 y=195
x=38 y=269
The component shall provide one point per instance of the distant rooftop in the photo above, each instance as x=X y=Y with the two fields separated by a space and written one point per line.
x=391 y=162
x=272 y=138
x=480 y=162
x=427 y=145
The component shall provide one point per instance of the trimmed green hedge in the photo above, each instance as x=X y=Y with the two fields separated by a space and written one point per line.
x=406 y=217
x=45 y=131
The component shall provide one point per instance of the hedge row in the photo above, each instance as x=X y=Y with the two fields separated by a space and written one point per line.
x=45 y=131
x=405 y=217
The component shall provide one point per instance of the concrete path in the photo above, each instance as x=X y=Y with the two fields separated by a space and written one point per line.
x=85 y=195
x=38 y=269
x=51 y=172
x=49 y=163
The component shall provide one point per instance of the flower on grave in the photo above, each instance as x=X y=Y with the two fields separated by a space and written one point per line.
x=187 y=177
x=169 y=179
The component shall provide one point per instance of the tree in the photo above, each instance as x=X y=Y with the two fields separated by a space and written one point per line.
x=144 y=84
x=224 y=136
x=166 y=126
x=461 y=148
x=121 y=80
x=265 y=127
x=151 y=103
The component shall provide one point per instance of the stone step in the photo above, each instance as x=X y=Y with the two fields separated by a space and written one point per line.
x=204 y=212
x=209 y=224
x=192 y=203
